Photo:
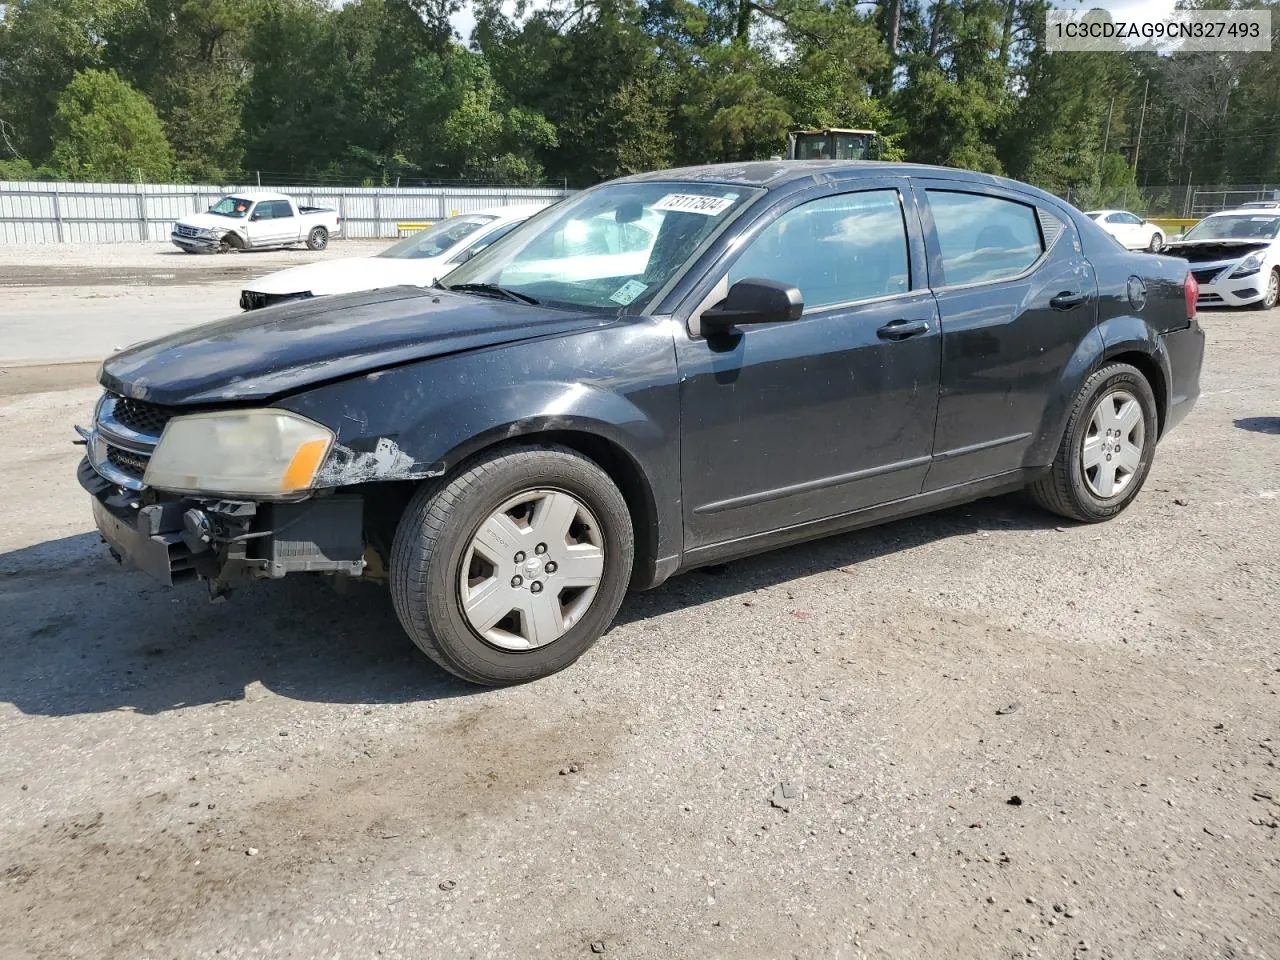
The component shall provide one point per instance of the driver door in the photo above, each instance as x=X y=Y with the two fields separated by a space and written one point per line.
x=789 y=423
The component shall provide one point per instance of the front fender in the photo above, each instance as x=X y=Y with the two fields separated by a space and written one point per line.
x=617 y=386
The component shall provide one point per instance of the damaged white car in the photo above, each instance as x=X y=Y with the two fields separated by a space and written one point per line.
x=1235 y=257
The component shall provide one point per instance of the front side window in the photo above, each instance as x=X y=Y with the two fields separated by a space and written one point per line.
x=835 y=250
x=609 y=247
x=438 y=239
x=237 y=207
x=983 y=238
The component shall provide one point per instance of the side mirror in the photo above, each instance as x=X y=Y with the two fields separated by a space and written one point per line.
x=255 y=216
x=754 y=300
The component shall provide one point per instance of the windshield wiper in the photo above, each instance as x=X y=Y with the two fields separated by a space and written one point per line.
x=492 y=289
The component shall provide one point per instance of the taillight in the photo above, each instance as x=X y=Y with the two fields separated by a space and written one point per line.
x=1191 y=288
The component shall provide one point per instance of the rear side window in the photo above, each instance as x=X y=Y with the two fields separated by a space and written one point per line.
x=983 y=238
x=835 y=250
x=280 y=210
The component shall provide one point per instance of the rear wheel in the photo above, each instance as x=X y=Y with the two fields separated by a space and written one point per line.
x=514 y=568
x=1272 y=294
x=1106 y=452
x=318 y=238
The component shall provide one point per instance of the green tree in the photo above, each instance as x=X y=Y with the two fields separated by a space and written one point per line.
x=43 y=43
x=106 y=130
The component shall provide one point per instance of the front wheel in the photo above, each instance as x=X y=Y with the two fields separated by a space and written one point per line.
x=318 y=238
x=1106 y=452
x=1157 y=242
x=511 y=570
x=1272 y=294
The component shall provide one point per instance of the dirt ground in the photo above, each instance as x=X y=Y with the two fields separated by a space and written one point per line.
x=1002 y=737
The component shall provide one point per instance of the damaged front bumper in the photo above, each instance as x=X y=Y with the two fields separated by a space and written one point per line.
x=173 y=538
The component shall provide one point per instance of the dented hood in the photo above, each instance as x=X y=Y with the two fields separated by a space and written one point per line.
x=286 y=348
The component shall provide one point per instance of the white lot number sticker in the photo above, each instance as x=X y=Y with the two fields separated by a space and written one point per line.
x=694 y=203
x=628 y=292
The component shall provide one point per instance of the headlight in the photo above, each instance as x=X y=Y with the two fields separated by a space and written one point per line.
x=263 y=453
x=1250 y=264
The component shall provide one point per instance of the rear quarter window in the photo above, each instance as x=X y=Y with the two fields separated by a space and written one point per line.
x=984 y=238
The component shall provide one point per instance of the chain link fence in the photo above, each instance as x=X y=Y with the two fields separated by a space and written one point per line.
x=1185 y=201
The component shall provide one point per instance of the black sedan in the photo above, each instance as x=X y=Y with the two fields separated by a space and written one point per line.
x=665 y=371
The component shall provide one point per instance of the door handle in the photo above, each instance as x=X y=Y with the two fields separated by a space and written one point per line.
x=1066 y=300
x=902 y=329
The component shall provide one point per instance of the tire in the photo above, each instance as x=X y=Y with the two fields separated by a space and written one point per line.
x=444 y=527
x=231 y=243
x=318 y=238
x=1272 y=294
x=1073 y=490
x=1156 y=243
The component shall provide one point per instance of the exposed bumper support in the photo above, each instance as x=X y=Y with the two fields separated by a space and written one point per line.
x=225 y=541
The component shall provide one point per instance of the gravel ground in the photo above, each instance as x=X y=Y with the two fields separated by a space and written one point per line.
x=1001 y=736
x=73 y=303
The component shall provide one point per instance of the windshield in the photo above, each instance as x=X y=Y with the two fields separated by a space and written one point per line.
x=436 y=240
x=232 y=207
x=1241 y=226
x=608 y=247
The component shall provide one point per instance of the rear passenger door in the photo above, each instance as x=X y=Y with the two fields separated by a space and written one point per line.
x=1016 y=298
x=282 y=227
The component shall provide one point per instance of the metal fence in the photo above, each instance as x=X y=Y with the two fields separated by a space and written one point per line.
x=47 y=212
x=1191 y=201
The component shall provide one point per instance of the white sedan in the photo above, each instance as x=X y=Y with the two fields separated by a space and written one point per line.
x=418 y=260
x=1235 y=257
x=1130 y=229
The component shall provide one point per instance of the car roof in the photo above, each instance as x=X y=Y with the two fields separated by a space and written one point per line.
x=775 y=174
x=256 y=195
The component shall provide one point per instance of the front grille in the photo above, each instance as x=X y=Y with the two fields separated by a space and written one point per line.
x=142 y=417
x=134 y=464
x=1209 y=298
x=184 y=231
x=1206 y=276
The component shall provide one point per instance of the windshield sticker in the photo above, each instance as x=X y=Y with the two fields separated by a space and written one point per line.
x=694 y=203
x=628 y=292
x=1261 y=219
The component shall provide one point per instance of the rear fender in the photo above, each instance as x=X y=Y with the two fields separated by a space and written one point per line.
x=1083 y=361
x=1134 y=338
x=1121 y=336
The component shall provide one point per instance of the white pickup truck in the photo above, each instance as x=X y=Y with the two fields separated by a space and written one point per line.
x=253 y=221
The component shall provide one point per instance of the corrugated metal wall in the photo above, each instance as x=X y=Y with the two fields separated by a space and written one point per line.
x=41 y=212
